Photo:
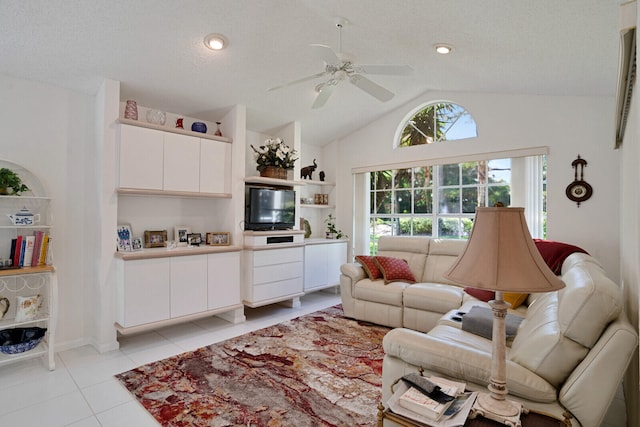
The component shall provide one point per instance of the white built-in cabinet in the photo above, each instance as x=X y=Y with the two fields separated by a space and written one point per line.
x=159 y=287
x=322 y=261
x=175 y=162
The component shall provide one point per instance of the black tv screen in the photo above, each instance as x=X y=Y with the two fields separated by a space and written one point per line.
x=269 y=209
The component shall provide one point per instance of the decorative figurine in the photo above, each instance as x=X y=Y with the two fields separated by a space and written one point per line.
x=307 y=171
x=322 y=175
x=179 y=124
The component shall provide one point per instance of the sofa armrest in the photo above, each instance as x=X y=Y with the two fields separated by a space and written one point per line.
x=354 y=271
x=443 y=354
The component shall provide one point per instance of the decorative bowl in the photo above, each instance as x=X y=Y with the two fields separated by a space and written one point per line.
x=19 y=340
x=199 y=127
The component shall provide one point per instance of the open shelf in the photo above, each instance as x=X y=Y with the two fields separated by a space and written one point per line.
x=174 y=130
x=272 y=181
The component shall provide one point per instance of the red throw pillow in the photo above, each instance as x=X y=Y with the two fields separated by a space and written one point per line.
x=481 y=294
x=554 y=253
x=369 y=266
x=394 y=269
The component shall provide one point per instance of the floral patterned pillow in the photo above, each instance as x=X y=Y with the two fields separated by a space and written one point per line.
x=28 y=308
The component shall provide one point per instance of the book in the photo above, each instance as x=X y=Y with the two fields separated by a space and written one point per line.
x=37 y=247
x=22 y=251
x=416 y=401
x=28 y=250
x=17 y=251
x=13 y=249
x=43 y=250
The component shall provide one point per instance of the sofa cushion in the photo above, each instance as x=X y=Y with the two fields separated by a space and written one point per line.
x=442 y=254
x=412 y=249
x=433 y=297
x=369 y=265
x=514 y=298
x=394 y=269
x=377 y=291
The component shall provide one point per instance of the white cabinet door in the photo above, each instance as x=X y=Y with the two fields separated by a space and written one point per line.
x=223 y=280
x=140 y=158
x=181 y=162
x=188 y=285
x=145 y=296
x=315 y=266
x=336 y=256
x=215 y=167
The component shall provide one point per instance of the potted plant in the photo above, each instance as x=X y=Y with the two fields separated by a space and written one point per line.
x=274 y=158
x=332 y=231
x=10 y=180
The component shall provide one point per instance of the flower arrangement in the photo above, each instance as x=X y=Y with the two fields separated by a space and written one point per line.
x=274 y=153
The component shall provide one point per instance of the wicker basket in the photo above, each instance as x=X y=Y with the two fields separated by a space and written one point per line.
x=274 y=172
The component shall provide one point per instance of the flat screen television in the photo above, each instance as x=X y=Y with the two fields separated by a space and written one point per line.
x=269 y=209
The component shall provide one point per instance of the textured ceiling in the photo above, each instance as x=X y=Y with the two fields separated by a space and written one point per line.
x=155 y=49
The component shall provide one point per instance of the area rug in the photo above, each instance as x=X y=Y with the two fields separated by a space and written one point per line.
x=316 y=370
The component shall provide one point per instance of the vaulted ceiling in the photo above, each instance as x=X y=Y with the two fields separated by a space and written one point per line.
x=155 y=49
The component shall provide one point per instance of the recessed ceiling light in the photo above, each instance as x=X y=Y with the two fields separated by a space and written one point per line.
x=216 y=41
x=443 y=49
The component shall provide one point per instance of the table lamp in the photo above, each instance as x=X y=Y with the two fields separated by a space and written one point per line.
x=501 y=256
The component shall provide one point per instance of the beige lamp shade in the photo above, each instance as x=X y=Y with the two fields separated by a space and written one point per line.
x=501 y=255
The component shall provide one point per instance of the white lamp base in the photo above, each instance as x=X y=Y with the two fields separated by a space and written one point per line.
x=503 y=411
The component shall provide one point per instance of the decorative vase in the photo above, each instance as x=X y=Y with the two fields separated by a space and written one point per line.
x=218 y=131
x=131 y=110
x=199 y=127
x=273 y=172
x=156 y=117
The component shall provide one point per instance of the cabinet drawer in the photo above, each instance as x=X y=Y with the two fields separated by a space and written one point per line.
x=277 y=289
x=273 y=273
x=277 y=256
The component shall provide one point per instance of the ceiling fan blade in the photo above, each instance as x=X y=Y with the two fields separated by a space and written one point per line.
x=323 y=95
x=371 y=88
x=304 y=79
x=393 y=70
x=328 y=55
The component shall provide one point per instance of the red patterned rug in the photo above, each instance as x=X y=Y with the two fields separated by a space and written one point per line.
x=316 y=370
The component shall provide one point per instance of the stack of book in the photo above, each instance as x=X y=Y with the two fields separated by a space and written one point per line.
x=433 y=401
x=30 y=251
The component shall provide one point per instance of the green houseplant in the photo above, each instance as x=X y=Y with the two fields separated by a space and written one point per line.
x=10 y=180
x=332 y=231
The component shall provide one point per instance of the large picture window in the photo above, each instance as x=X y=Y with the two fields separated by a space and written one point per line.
x=438 y=201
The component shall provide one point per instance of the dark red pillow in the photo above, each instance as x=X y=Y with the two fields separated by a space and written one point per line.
x=369 y=266
x=481 y=294
x=394 y=269
x=554 y=253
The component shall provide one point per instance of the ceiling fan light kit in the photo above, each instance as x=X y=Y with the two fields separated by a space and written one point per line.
x=340 y=66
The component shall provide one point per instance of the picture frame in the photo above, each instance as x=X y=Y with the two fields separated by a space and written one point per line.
x=194 y=239
x=219 y=238
x=155 y=239
x=180 y=234
x=136 y=244
x=123 y=238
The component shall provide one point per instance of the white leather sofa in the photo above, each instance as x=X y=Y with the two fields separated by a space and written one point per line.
x=568 y=356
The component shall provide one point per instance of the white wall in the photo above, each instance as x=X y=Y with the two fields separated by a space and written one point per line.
x=567 y=125
x=47 y=130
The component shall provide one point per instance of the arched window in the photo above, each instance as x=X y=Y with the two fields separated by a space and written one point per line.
x=435 y=122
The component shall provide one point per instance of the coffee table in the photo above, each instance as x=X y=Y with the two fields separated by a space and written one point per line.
x=532 y=419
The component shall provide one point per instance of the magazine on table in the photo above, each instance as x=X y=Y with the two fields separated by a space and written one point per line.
x=454 y=414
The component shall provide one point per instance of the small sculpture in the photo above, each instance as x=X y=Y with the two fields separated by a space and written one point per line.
x=307 y=171
x=322 y=175
x=179 y=123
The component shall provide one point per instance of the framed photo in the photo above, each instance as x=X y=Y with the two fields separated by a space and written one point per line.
x=180 y=234
x=136 y=244
x=194 y=239
x=123 y=238
x=155 y=239
x=218 y=239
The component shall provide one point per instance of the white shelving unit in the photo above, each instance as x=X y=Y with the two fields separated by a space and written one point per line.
x=28 y=281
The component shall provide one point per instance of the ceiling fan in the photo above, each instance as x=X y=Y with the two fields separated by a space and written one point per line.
x=341 y=66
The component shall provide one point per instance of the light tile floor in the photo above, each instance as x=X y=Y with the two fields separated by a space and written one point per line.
x=82 y=392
